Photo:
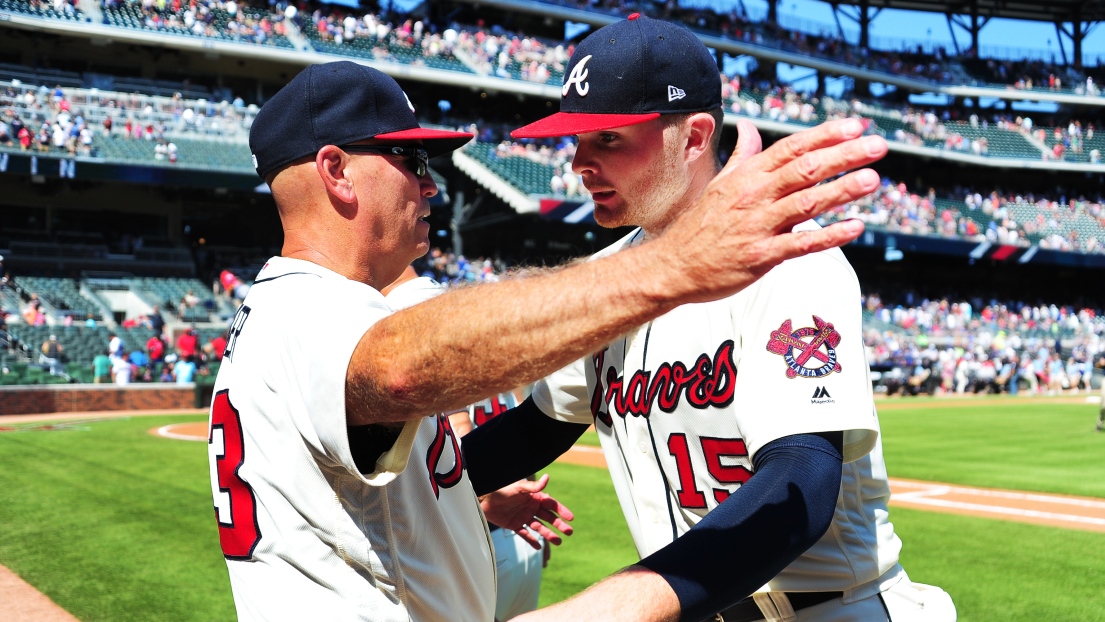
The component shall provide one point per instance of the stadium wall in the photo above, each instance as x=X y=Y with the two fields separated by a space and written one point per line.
x=25 y=400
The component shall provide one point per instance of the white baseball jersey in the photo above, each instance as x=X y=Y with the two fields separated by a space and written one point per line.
x=305 y=534
x=683 y=403
x=517 y=564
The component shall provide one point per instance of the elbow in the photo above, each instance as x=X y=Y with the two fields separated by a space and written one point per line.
x=821 y=511
x=400 y=388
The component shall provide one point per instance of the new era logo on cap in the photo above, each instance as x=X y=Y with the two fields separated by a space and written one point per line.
x=624 y=74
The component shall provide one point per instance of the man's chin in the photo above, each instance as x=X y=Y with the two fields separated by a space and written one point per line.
x=609 y=218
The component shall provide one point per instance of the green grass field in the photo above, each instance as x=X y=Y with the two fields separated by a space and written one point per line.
x=115 y=524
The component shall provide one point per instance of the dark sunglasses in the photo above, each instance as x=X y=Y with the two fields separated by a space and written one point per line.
x=417 y=159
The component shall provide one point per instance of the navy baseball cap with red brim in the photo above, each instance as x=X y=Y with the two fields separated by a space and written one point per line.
x=630 y=72
x=338 y=103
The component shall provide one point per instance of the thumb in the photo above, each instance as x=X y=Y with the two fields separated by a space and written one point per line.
x=540 y=484
x=749 y=142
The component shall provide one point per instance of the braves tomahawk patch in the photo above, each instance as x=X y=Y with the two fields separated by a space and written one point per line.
x=810 y=352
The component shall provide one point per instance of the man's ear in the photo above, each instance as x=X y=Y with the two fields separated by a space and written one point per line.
x=331 y=162
x=700 y=131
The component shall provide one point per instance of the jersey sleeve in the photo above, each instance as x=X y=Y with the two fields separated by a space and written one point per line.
x=563 y=394
x=803 y=368
x=327 y=349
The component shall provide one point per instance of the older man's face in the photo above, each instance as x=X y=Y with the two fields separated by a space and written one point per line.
x=399 y=203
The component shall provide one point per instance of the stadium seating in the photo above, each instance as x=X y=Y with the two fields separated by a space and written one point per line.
x=526 y=175
x=42 y=9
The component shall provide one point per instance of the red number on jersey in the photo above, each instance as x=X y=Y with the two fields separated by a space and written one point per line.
x=689 y=494
x=713 y=450
x=235 y=503
x=498 y=407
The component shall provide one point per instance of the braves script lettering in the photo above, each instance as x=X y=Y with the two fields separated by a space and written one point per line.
x=708 y=382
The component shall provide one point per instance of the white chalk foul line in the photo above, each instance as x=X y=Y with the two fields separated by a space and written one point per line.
x=994 y=509
x=999 y=494
x=166 y=431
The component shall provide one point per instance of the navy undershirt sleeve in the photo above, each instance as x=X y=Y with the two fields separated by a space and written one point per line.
x=517 y=443
x=781 y=511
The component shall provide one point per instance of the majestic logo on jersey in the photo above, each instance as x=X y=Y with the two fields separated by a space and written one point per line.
x=578 y=77
x=821 y=396
x=708 y=382
x=789 y=343
x=674 y=93
x=435 y=453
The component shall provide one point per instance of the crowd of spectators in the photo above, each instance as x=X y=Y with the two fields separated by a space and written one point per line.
x=236 y=20
x=160 y=359
x=43 y=120
x=1000 y=218
x=939 y=346
x=48 y=120
x=450 y=268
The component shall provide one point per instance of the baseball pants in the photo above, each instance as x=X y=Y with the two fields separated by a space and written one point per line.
x=518 y=567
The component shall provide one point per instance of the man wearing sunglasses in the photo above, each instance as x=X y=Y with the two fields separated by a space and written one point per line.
x=339 y=495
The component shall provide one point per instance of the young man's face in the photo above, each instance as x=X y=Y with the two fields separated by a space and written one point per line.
x=636 y=174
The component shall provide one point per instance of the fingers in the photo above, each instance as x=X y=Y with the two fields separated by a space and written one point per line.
x=529 y=536
x=794 y=146
x=809 y=203
x=816 y=166
x=790 y=245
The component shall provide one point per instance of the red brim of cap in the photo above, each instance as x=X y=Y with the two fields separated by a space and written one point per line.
x=569 y=123
x=436 y=142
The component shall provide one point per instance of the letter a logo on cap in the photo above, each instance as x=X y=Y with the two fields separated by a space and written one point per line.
x=578 y=77
x=675 y=93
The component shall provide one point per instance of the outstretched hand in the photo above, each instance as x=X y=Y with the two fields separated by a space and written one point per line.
x=740 y=226
x=523 y=508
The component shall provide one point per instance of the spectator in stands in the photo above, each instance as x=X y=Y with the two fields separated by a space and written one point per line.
x=166 y=373
x=154 y=321
x=122 y=370
x=140 y=360
x=187 y=343
x=30 y=312
x=184 y=370
x=101 y=368
x=90 y=321
x=53 y=351
x=115 y=348
x=1056 y=375
x=155 y=347
x=5 y=132
x=213 y=350
x=25 y=138
x=189 y=300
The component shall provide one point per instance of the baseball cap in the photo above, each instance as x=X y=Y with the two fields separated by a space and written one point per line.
x=337 y=104
x=630 y=72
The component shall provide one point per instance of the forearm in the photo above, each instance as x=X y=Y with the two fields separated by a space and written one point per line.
x=521 y=441
x=634 y=594
x=502 y=334
x=466 y=345
x=767 y=523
